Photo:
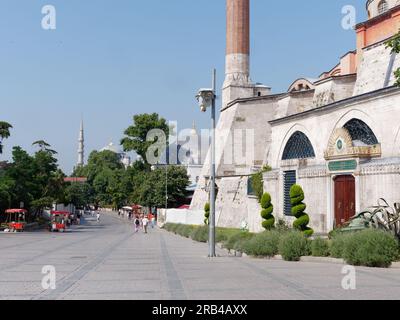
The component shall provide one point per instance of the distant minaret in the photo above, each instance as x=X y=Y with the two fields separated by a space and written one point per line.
x=81 y=149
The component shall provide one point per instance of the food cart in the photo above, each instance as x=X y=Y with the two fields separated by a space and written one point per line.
x=16 y=220
x=58 y=222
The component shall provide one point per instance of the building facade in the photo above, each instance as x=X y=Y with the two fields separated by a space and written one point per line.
x=338 y=136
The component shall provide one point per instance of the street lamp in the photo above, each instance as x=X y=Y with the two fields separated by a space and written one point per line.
x=206 y=99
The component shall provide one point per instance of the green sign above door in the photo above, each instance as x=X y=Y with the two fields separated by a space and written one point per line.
x=342 y=165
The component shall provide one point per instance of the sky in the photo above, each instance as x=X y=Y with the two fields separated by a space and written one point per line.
x=108 y=60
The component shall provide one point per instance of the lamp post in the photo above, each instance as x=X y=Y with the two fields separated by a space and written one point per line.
x=206 y=99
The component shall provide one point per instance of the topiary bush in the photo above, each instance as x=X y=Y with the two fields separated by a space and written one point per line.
x=264 y=244
x=207 y=213
x=298 y=208
x=200 y=234
x=320 y=248
x=293 y=245
x=266 y=213
x=371 y=248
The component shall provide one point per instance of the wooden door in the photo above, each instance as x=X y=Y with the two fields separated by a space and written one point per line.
x=345 y=199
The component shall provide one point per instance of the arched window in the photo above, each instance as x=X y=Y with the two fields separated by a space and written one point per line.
x=360 y=131
x=382 y=7
x=298 y=147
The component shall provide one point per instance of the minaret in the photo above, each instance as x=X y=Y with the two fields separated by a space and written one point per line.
x=81 y=149
x=237 y=62
x=237 y=42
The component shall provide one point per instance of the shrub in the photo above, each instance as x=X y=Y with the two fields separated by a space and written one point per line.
x=263 y=244
x=186 y=231
x=223 y=234
x=236 y=240
x=338 y=244
x=266 y=213
x=293 y=245
x=320 y=248
x=298 y=208
x=371 y=248
x=200 y=234
x=282 y=226
x=207 y=213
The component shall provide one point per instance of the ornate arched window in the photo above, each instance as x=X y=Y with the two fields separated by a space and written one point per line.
x=298 y=147
x=360 y=131
x=382 y=7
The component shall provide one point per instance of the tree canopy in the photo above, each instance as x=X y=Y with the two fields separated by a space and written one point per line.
x=137 y=136
x=4 y=133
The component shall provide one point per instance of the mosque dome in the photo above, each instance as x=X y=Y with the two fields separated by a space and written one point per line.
x=111 y=147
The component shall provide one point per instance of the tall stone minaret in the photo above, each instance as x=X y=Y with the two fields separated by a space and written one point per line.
x=81 y=148
x=237 y=65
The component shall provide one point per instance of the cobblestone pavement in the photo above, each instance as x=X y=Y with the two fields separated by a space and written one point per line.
x=107 y=260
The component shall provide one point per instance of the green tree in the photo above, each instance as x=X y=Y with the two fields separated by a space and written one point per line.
x=257 y=182
x=298 y=210
x=136 y=136
x=4 y=133
x=44 y=146
x=79 y=194
x=266 y=213
x=150 y=187
x=394 y=45
x=207 y=209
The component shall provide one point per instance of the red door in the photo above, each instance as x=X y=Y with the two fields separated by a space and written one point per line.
x=345 y=199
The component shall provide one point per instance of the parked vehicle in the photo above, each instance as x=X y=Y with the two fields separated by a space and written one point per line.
x=16 y=220
x=58 y=222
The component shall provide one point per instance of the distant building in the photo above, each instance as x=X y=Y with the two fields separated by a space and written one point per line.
x=123 y=157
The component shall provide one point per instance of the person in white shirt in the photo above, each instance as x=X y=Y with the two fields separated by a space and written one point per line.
x=145 y=222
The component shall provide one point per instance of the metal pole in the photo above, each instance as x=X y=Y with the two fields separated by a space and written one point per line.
x=212 y=173
x=166 y=186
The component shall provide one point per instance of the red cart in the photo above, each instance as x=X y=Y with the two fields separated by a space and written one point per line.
x=16 y=219
x=58 y=222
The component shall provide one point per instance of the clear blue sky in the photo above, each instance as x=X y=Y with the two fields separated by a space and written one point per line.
x=110 y=59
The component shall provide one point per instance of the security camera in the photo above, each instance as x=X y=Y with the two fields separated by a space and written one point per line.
x=205 y=98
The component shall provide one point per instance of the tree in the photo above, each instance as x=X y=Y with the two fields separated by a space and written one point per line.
x=207 y=213
x=44 y=146
x=394 y=45
x=4 y=133
x=149 y=187
x=257 y=182
x=298 y=210
x=136 y=136
x=266 y=213
x=78 y=194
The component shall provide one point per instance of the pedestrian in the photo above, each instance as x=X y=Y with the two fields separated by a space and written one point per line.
x=98 y=216
x=145 y=222
x=78 y=219
x=153 y=221
x=119 y=212
x=137 y=225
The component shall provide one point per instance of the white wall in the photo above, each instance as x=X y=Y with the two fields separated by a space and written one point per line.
x=183 y=216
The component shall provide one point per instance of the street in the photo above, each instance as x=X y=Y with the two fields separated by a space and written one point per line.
x=107 y=260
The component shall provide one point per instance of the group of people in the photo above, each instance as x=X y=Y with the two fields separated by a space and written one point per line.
x=143 y=222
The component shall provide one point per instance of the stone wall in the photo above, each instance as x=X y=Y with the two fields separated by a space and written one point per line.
x=374 y=68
